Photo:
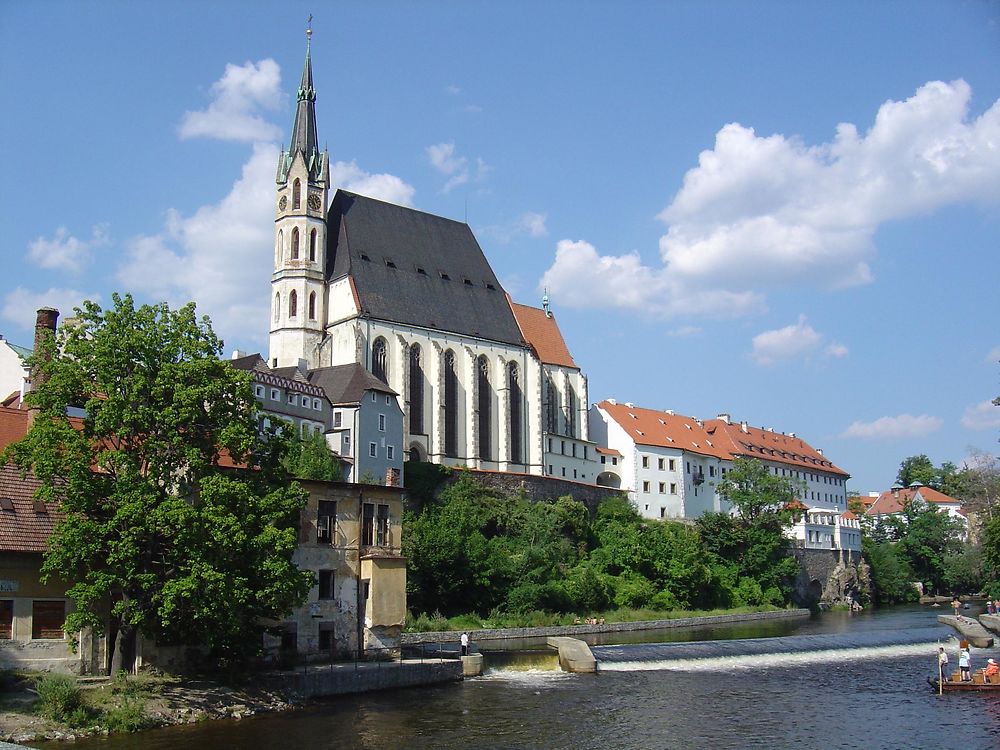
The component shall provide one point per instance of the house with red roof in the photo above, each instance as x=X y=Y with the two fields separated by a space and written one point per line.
x=880 y=505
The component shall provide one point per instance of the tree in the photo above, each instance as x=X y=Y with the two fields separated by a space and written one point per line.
x=179 y=548
x=310 y=458
x=917 y=469
x=927 y=537
x=755 y=493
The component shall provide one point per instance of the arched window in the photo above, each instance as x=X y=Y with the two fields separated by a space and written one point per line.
x=312 y=246
x=312 y=305
x=551 y=405
x=450 y=405
x=296 y=195
x=416 y=392
x=277 y=307
x=380 y=360
x=295 y=243
x=514 y=398
x=293 y=304
x=485 y=407
x=570 y=411
x=279 y=249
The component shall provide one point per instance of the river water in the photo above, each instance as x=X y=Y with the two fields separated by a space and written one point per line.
x=833 y=681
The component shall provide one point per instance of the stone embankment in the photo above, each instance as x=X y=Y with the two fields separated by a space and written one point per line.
x=969 y=629
x=990 y=622
x=575 y=631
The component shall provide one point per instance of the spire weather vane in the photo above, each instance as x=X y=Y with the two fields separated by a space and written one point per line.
x=309 y=28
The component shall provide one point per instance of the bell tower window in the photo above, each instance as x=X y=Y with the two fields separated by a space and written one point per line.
x=312 y=305
x=295 y=243
x=279 y=250
x=296 y=195
x=379 y=360
x=312 y=246
x=277 y=307
x=293 y=304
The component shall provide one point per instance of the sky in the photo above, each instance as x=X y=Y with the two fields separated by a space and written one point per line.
x=785 y=211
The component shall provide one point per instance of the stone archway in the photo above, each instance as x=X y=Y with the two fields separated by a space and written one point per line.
x=609 y=479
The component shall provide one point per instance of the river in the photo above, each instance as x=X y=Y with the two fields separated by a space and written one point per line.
x=837 y=680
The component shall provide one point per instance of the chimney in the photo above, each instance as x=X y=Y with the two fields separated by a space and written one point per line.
x=392 y=477
x=744 y=427
x=302 y=366
x=238 y=353
x=791 y=434
x=45 y=326
x=670 y=412
x=699 y=423
x=629 y=404
x=613 y=402
x=724 y=417
x=819 y=451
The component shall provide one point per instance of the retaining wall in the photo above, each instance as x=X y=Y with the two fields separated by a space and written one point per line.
x=339 y=679
x=537 y=488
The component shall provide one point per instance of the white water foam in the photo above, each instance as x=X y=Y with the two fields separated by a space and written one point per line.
x=758 y=661
x=527 y=677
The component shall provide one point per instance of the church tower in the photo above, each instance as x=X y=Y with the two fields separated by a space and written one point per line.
x=298 y=299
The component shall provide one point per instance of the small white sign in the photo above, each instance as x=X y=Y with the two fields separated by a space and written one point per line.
x=6 y=585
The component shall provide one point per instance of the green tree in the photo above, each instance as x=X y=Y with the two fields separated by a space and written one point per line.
x=155 y=531
x=917 y=469
x=991 y=556
x=926 y=537
x=311 y=458
x=890 y=572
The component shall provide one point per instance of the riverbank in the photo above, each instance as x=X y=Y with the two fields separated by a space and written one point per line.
x=499 y=634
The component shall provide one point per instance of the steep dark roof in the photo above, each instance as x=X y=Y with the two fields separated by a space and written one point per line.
x=346 y=384
x=249 y=362
x=416 y=268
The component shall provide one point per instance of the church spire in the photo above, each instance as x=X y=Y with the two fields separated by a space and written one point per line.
x=304 y=139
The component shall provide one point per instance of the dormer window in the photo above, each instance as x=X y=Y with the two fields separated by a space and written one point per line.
x=445 y=277
x=389 y=263
x=421 y=271
x=467 y=282
x=365 y=257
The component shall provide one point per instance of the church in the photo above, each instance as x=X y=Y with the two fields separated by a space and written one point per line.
x=483 y=382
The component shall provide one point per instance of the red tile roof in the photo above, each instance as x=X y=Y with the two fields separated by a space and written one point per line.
x=542 y=334
x=13 y=425
x=849 y=515
x=25 y=525
x=770 y=446
x=650 y=427
x=608 y=451
x=893 y=501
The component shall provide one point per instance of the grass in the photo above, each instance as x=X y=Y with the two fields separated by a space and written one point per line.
x=437 y=622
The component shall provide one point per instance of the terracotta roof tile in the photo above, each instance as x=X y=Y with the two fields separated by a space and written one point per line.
x=543 y=335
x=13 y=425
x=893 y=501
x=22 y=527
x=650 y=427
x=608 y=451
x=770 y=446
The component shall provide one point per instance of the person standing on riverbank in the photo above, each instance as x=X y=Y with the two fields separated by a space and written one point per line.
x=465 y=644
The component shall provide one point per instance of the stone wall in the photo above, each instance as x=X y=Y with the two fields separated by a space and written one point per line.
x=538 y=488
x=829 y=578
x=339 y=679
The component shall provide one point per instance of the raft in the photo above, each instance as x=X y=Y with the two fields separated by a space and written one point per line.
x=969 y=629
x=978 y=683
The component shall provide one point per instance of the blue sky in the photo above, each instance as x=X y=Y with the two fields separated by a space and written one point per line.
x=785 y=211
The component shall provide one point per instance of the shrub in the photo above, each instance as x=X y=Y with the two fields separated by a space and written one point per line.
x=58 y=696
x=129 y=716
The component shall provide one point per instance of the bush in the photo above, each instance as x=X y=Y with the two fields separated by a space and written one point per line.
x=58 y=696
x=129 y=716
x=634 y=591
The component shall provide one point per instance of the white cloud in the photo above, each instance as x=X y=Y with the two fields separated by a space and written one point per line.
x=836 y=349
x=456 y=168
x=452 y=90
x=982 y=416
x=583 y=278
x=385 y=187
x=529 y=223
x=766 y=212
x=232 y=114
x=890 y=428
x=20 y=304
x=994 y=355
x=792 y=341
x=65 y=252
x=684 y=331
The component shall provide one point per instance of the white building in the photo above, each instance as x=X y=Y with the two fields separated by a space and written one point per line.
x=879 y=505
x=410 y=296
x=670 y=466
x=13 y=370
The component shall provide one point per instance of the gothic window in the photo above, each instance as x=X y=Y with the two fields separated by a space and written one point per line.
x=312 y=246
x=295 y=243
x=277 y=307
x=485 y=404
x=571 y=412
x=293 y=304
x=279 y=250
x=514 y=398
x=296 y=195
x=450 y=405
x=312 y=305
x=551 y=405
x=379 y=360
x=416 y=392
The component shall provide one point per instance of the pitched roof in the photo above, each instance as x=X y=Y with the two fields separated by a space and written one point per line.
x=13 y=425
x=25 y=524
x=346 y=384
x=931 y=495
x=412 y=267
x=754 y=442
x=249 y=362
x=542 y=333
x=892 y=501
x=659 y=428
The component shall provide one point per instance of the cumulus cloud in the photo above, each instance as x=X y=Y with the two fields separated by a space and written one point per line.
x=684 y=331
x=792 y=342
x=994 y=355
x=385 y=187
x=20 y=304
x=458 y=169
x=528 y=224
x=982 y=416
x=65 y=252
x=237 y=97
x=760 y=212
x=891 y=428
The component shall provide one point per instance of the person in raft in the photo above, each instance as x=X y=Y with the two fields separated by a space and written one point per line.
x=991 y=671
x=943 y=662
x=465 y=644
x=965 y=664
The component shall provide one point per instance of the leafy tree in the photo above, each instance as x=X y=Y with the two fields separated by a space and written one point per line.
x=311 y=458
x=917 y=469
x=155 y=532
x=963 y=570
x=891 y=574
x=926 y=536
x=755 y=493
x=991 y=556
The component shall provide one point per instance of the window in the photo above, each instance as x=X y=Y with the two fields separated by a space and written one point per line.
x=515 y=407
x=450 y=405
x=374 y=397
x=312 y=305
x=663 y=488
x=375 y=525
x=659 y=464
x=312 y=246
x=485 y=407
x=564 y=471
x=562 y=447
x=306 y=429
x=645 y=462
x=372 y=450
x=573 y=446
x=258 y=391
x=571 y=408
x=6 y=618
x=275 y=394
x=338 y=419
x=662 y=511
x=379 y=360
x=672 y=465
x=388 y=399
x=381 y=422
x=291 y=399
x=645 y=486
x=295 y=243
x=673 y=488
x=327 y=581
x=416 y=392
x=279 y=249
x=317 y=405
x=551 y=405
x=687 y=465
x=47 y=619
x=602 y=459
x=326 y=521
x=711 y=471
x=277 y=309
x=390 y=452
x=347 y=443
x=296 y=194
x=614 y=460
x=293 y=304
